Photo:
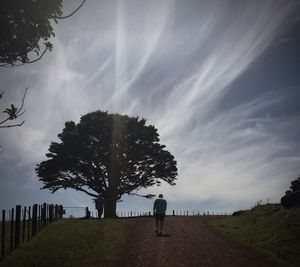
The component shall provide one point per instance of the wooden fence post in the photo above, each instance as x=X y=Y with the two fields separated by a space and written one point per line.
x=24 y=224
x=12 y=229
x=18 y=226
x=56 y=212
x=34 y=220
x=44 y=214
x=38 y=216
x=47 y=215
x=61 y=211
x=173 y=212
x=29 y=219
x=3 y=234
x=51 y=213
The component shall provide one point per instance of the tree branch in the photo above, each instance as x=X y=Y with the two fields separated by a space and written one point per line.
x=7 y=65
x=22 y=105
x=78 y=187
x=12 y=125
x=16 y=115
x=70 y=15
x=149 y=196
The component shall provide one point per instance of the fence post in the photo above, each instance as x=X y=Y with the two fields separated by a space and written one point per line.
x=51 y=213
x=56 y=212
x=12 y=229
x=34 y=220
x=87 y=213
x=29 y=219
x=187 y=213
x=3 y=233
x=39 y=225
x=18 y=226
x=61 y=211
x=130 y=213
x=47 y=215
x=173 y=212
x=44 y=214
x=24 y=225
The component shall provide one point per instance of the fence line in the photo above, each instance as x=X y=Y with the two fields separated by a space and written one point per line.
x=13 y=227
x=135 y=213
x=131 y=214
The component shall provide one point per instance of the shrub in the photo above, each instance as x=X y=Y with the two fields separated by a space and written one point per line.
x=239 y=212
x=292 y=199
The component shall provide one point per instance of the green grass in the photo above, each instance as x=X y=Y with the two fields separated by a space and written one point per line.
x=7 y=235
x=73 y=243
x=267 y=227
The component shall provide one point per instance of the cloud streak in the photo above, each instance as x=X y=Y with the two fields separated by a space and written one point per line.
x=173 y=64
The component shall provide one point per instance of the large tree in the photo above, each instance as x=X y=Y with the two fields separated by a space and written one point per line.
x=107 y=155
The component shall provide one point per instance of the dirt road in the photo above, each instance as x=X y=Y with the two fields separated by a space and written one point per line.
x=188 y=241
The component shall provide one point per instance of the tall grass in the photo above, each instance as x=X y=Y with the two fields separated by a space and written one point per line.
x=268 y=227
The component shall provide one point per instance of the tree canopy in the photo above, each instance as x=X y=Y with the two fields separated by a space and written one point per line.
x=107 y=155
x=292 y=196
x=26 y=29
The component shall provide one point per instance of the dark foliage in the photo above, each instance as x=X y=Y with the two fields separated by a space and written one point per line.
x=292 y=197
x=12 y=113
x=295 y=185
x=107 y=155
x=238 y=213
x=25 y=29
x=291 y=200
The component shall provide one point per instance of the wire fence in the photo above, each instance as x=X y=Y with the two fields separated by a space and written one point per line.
x=72 y=212
x=129 y=214
x=21 y=224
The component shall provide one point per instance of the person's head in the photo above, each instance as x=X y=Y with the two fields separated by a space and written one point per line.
x=160 y=196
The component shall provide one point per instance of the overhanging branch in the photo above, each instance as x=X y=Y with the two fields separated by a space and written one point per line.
x=70 y=15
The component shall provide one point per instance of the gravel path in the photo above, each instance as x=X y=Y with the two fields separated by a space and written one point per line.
x=188 y=241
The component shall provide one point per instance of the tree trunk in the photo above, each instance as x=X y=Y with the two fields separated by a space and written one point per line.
x=110 y=207
x=113 y=183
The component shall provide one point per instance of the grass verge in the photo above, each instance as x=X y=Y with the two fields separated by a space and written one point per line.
x=269 y=228
x=73 y=243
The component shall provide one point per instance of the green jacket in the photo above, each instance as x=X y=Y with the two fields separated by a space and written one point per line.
x=160 y=206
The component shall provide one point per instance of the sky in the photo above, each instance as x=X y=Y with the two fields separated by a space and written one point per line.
x=218 y=79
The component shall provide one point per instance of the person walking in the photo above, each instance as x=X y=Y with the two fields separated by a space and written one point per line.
x=99 y=205
x=159 y=211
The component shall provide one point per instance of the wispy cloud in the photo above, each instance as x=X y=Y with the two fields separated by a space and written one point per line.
x=171 y=63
